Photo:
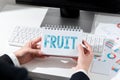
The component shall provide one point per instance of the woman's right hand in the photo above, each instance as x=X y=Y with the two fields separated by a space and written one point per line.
x=85 y=56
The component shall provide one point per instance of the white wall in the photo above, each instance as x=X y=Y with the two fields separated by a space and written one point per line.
x=5 y=2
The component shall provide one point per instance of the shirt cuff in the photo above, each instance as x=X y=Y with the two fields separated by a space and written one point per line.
x=14 y=59
x=82 y=70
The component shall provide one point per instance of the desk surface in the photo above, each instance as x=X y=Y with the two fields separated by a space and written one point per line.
x=14 y=15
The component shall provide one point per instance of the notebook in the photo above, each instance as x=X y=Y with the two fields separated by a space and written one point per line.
x=61 y=41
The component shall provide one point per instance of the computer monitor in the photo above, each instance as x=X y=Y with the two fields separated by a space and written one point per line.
x=70 y=10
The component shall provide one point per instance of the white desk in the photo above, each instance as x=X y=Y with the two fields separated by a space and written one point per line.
x=49 y=68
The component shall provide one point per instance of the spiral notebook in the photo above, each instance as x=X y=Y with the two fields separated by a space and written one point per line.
x=61 y=41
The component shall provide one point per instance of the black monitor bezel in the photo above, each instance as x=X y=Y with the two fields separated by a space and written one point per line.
x=81 y=6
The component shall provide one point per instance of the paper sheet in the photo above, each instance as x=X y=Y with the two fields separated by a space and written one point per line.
x=111 y=31
x=111 y=54
x=100 y=67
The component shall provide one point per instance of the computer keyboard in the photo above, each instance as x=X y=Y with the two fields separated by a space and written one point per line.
x=96 y=42
x=21 y=35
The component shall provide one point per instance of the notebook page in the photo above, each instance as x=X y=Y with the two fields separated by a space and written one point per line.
x=61 y=42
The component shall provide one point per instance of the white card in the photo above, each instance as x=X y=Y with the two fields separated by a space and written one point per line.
x=61 y=42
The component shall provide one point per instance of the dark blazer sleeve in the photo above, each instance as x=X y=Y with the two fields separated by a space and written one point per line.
x=9 y=72
x=79 y=76
x=6 y=59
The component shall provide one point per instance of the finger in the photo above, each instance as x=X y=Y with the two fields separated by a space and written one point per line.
x=35 y=41
x=80 y=49
x=37 y=46
x=88 y=47
x=75 y=59
x=42 y=56
x=35 y=51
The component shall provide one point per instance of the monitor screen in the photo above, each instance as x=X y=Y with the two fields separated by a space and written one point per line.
x=111 y=6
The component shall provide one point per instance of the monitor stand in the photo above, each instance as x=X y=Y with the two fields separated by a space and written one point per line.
x=85 y=20
x=70 y=12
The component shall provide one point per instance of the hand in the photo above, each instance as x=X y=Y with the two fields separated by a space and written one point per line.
x=85 y=56
x=30 y=51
